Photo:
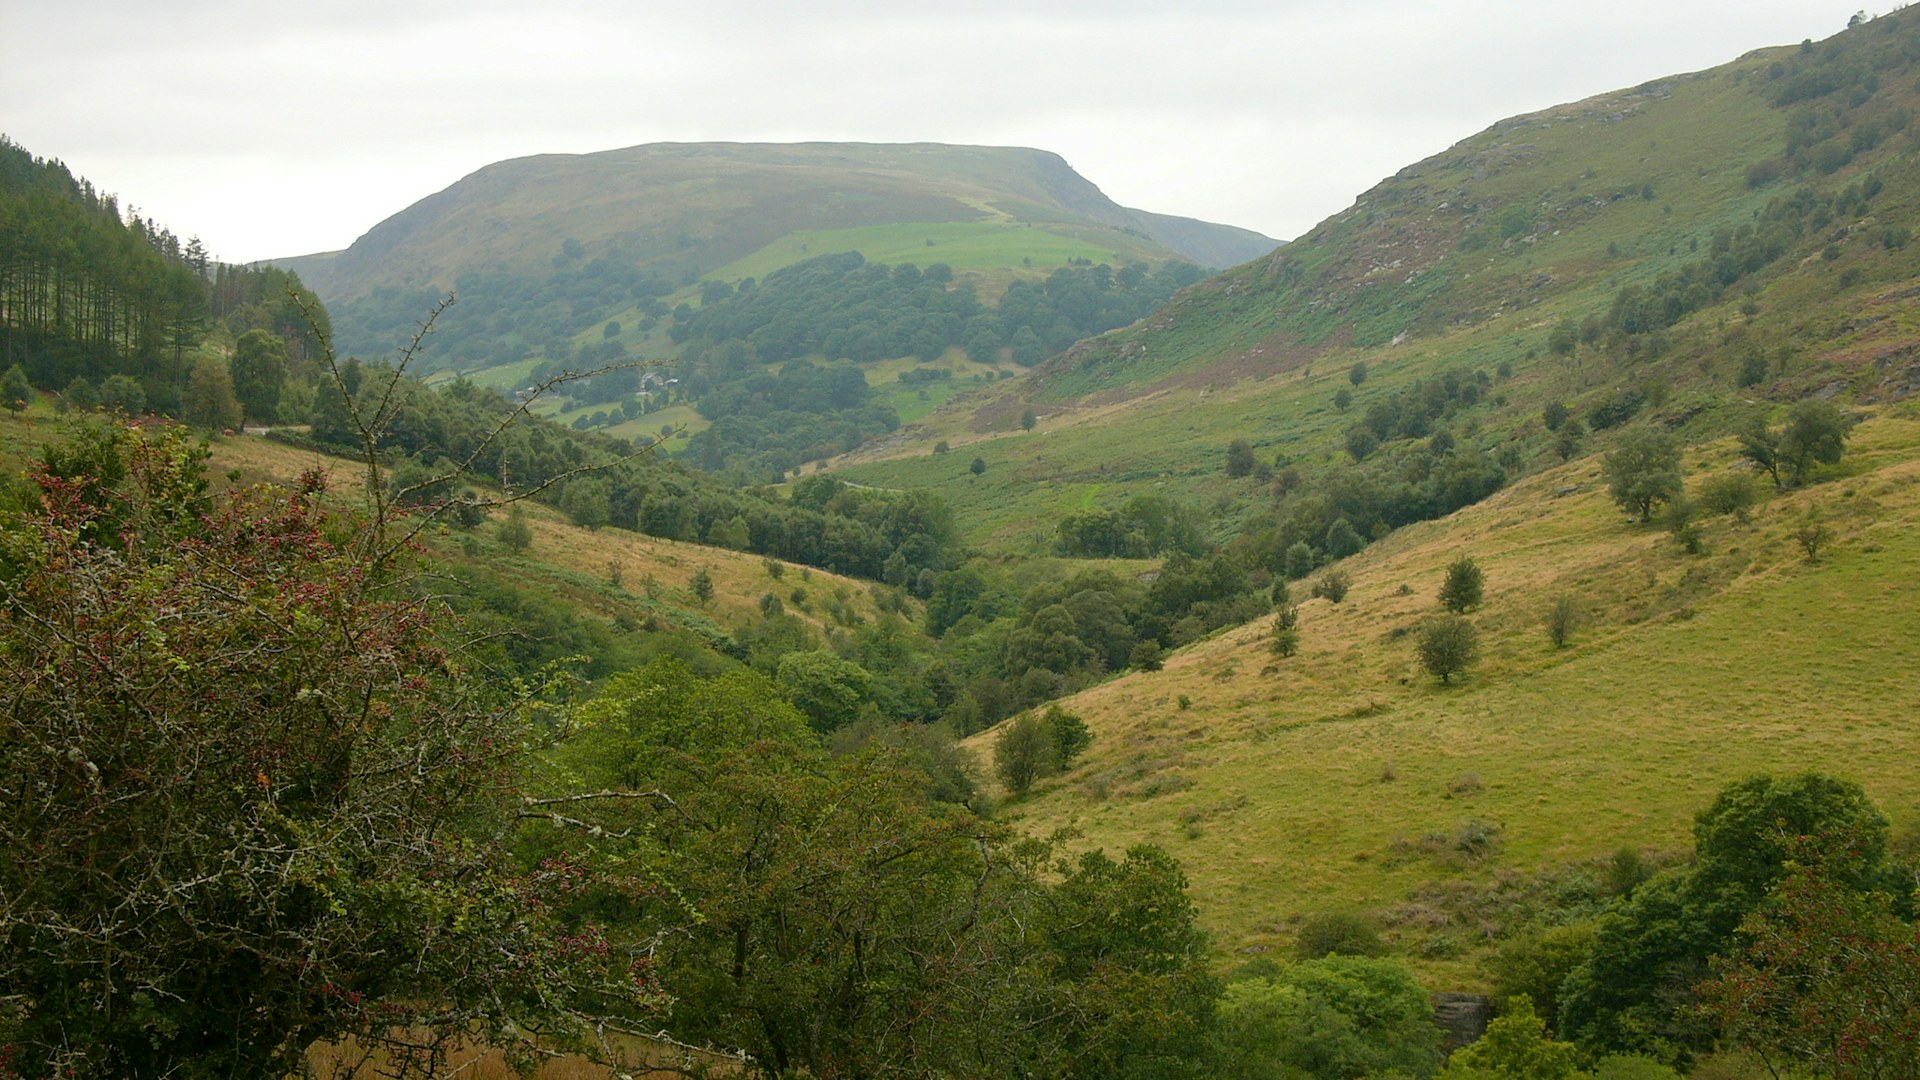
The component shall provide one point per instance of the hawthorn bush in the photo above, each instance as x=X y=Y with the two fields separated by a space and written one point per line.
x=249 y=797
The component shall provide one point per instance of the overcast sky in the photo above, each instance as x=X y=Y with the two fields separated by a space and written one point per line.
x=289 y=128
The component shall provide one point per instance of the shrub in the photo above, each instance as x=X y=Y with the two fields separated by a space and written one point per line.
x=1240 y=459
x=1563 y=618
x=1812 y=537
x=1337 y=933
x=1332 y=586
x=513 y=531
x=1728 y=494
x=1299 y=560
x=1286 y=631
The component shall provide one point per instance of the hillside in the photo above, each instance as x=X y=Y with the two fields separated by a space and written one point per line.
x=642 y=222
x=1345 y=778
x=1733 y=200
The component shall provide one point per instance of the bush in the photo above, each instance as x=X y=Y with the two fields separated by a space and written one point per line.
x=1448 y=646
x=1812 y=537
x=1332 y=586
x=1563 y=618
x=1728 y=494
x=513 y=531
x=1337 y=933
x=1240 y=459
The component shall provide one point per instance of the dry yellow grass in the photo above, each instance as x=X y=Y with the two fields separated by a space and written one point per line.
x=1289 y=786
x=739 y=579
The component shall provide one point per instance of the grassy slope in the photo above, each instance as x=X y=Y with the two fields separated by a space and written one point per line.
x=1286 y=785
x=581 y=562
x=565 y=560
x=1259 y=352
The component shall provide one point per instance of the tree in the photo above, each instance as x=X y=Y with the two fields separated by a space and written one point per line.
x=122 y=393
x=1024 y=752
x=1815 y=434
x=828 y=689
x=1070 y=735
x=1334 y=1016
x=1515 y=1047
x=1147 y=655
x=1643 y=471
x=1464 y=587
x=1634 y=989
x=209 y=402
x=1299 y=560
x=259 y=369
x=1563 y=338
x=1343 y=399
x=1285 y=638
x=1555 y=414
x=1357 y=374
x=1448 y=646
x=1823 y=974
x=278 y=806
x=1812 y=535
x=701 y=585
x=1028 y=420
x=15 y=390
x=1343 y=540
x=1240 y=460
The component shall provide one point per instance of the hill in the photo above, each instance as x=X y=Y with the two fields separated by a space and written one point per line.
x=1691 y=256
x=1699 y=243
x=1346 y=779
x=601 y=232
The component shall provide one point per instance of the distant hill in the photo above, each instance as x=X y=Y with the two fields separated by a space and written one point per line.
x=1703 y=244
x=590 y=235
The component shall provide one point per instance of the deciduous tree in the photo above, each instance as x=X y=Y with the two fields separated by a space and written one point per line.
x=1643 y=471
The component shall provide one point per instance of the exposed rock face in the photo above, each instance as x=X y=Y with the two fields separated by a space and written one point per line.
x=1462 y=1018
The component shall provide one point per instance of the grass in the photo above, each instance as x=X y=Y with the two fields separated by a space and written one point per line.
x=1310 y=784
x=998 y=244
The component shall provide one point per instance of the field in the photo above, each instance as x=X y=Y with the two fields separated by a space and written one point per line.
x=1000 y=244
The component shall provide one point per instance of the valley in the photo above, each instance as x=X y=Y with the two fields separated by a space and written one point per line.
x=888 y=609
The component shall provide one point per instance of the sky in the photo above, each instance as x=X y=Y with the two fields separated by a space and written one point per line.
x=276 y=130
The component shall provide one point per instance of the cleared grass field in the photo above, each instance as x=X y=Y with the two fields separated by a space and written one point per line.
x=962 y=245
x=1344 y=778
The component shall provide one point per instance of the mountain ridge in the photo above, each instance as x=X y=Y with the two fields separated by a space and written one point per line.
x=1045 y=178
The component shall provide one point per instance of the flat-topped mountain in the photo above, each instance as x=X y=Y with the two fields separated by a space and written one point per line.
x=646 y=220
